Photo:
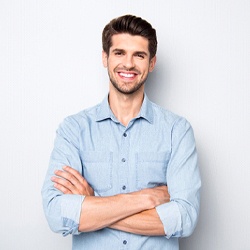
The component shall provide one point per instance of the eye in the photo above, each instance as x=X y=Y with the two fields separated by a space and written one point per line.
x=141 y=56
x=118 y=53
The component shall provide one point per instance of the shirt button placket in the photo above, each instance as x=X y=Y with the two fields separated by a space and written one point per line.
x=124 y=161
x=123 y=177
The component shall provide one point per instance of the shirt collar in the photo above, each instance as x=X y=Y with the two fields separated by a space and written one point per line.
x=146 y=111
x=104 y=112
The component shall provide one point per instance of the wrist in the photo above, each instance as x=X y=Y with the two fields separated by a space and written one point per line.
x=145 y=199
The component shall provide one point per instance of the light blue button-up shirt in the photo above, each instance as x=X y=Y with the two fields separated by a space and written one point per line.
x=156 y=148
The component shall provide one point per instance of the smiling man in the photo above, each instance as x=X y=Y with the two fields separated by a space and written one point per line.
x=124 y=174
x=128 y=62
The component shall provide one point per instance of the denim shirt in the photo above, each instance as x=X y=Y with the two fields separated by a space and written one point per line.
x=156 y=148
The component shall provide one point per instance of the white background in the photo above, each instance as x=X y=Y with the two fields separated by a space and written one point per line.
x=50 y=67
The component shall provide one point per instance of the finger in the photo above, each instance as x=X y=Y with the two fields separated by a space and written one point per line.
x=62 y=188
x=64 y=185
x=67 y=176
x=72 y=180
x=164 y=188
x=80 y=182
x=75 y=173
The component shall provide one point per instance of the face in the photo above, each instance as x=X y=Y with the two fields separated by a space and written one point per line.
x=128 y=63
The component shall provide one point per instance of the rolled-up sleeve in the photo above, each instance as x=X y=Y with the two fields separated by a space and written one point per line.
x=180 y=215
x=63 y=211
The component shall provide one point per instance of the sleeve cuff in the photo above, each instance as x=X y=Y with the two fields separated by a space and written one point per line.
x=171 y=219
x=71 y=206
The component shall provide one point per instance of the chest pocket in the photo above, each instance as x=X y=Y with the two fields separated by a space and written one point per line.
x=151 y=169
x=97 y=169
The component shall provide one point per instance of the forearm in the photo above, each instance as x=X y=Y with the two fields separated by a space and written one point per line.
x=143 y=223
x=100 y=212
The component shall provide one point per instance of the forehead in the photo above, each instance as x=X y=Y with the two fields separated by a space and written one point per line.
x=128 y=42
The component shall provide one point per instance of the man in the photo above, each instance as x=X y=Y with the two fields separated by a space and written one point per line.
x=124 y=174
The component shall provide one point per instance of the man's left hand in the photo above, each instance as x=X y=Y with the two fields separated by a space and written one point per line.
x=70 y=181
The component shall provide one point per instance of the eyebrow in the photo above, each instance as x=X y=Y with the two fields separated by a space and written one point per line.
x=118 y=50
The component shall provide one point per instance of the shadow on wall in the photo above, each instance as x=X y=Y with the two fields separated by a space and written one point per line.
x=157 y=86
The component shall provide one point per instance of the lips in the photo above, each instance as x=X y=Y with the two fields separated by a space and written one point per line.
x=127 y=75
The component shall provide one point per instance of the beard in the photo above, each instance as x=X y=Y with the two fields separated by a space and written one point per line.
x=127 y=91
x=124 y=89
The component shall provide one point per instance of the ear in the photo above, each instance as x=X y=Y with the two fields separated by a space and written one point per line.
x=152 y=64
x=104 y=59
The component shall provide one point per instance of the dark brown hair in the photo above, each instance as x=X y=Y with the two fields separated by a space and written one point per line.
x=132 y=25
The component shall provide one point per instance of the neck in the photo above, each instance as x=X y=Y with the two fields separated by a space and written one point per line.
x=125 y=107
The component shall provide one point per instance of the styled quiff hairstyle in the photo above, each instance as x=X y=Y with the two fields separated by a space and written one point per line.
x=132 y=25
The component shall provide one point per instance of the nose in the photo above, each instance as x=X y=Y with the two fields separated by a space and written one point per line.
x=128 y=62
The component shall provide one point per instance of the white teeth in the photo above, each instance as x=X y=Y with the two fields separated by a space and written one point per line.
x=126 y=75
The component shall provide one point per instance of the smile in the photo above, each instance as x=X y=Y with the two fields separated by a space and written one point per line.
x=127 y=75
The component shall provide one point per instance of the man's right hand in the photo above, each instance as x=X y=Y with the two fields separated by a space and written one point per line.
x=158 y=195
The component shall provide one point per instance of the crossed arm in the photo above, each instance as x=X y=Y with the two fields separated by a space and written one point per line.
x=139 y=217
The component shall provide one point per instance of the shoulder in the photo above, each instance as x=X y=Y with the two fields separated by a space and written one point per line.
x=177 y=125
x=166 y=116
x=84 y=116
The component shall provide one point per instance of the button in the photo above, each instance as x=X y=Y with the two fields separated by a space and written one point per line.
x=124 y=187
x=123 y=159
x=125 y=242
x=125 y=134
